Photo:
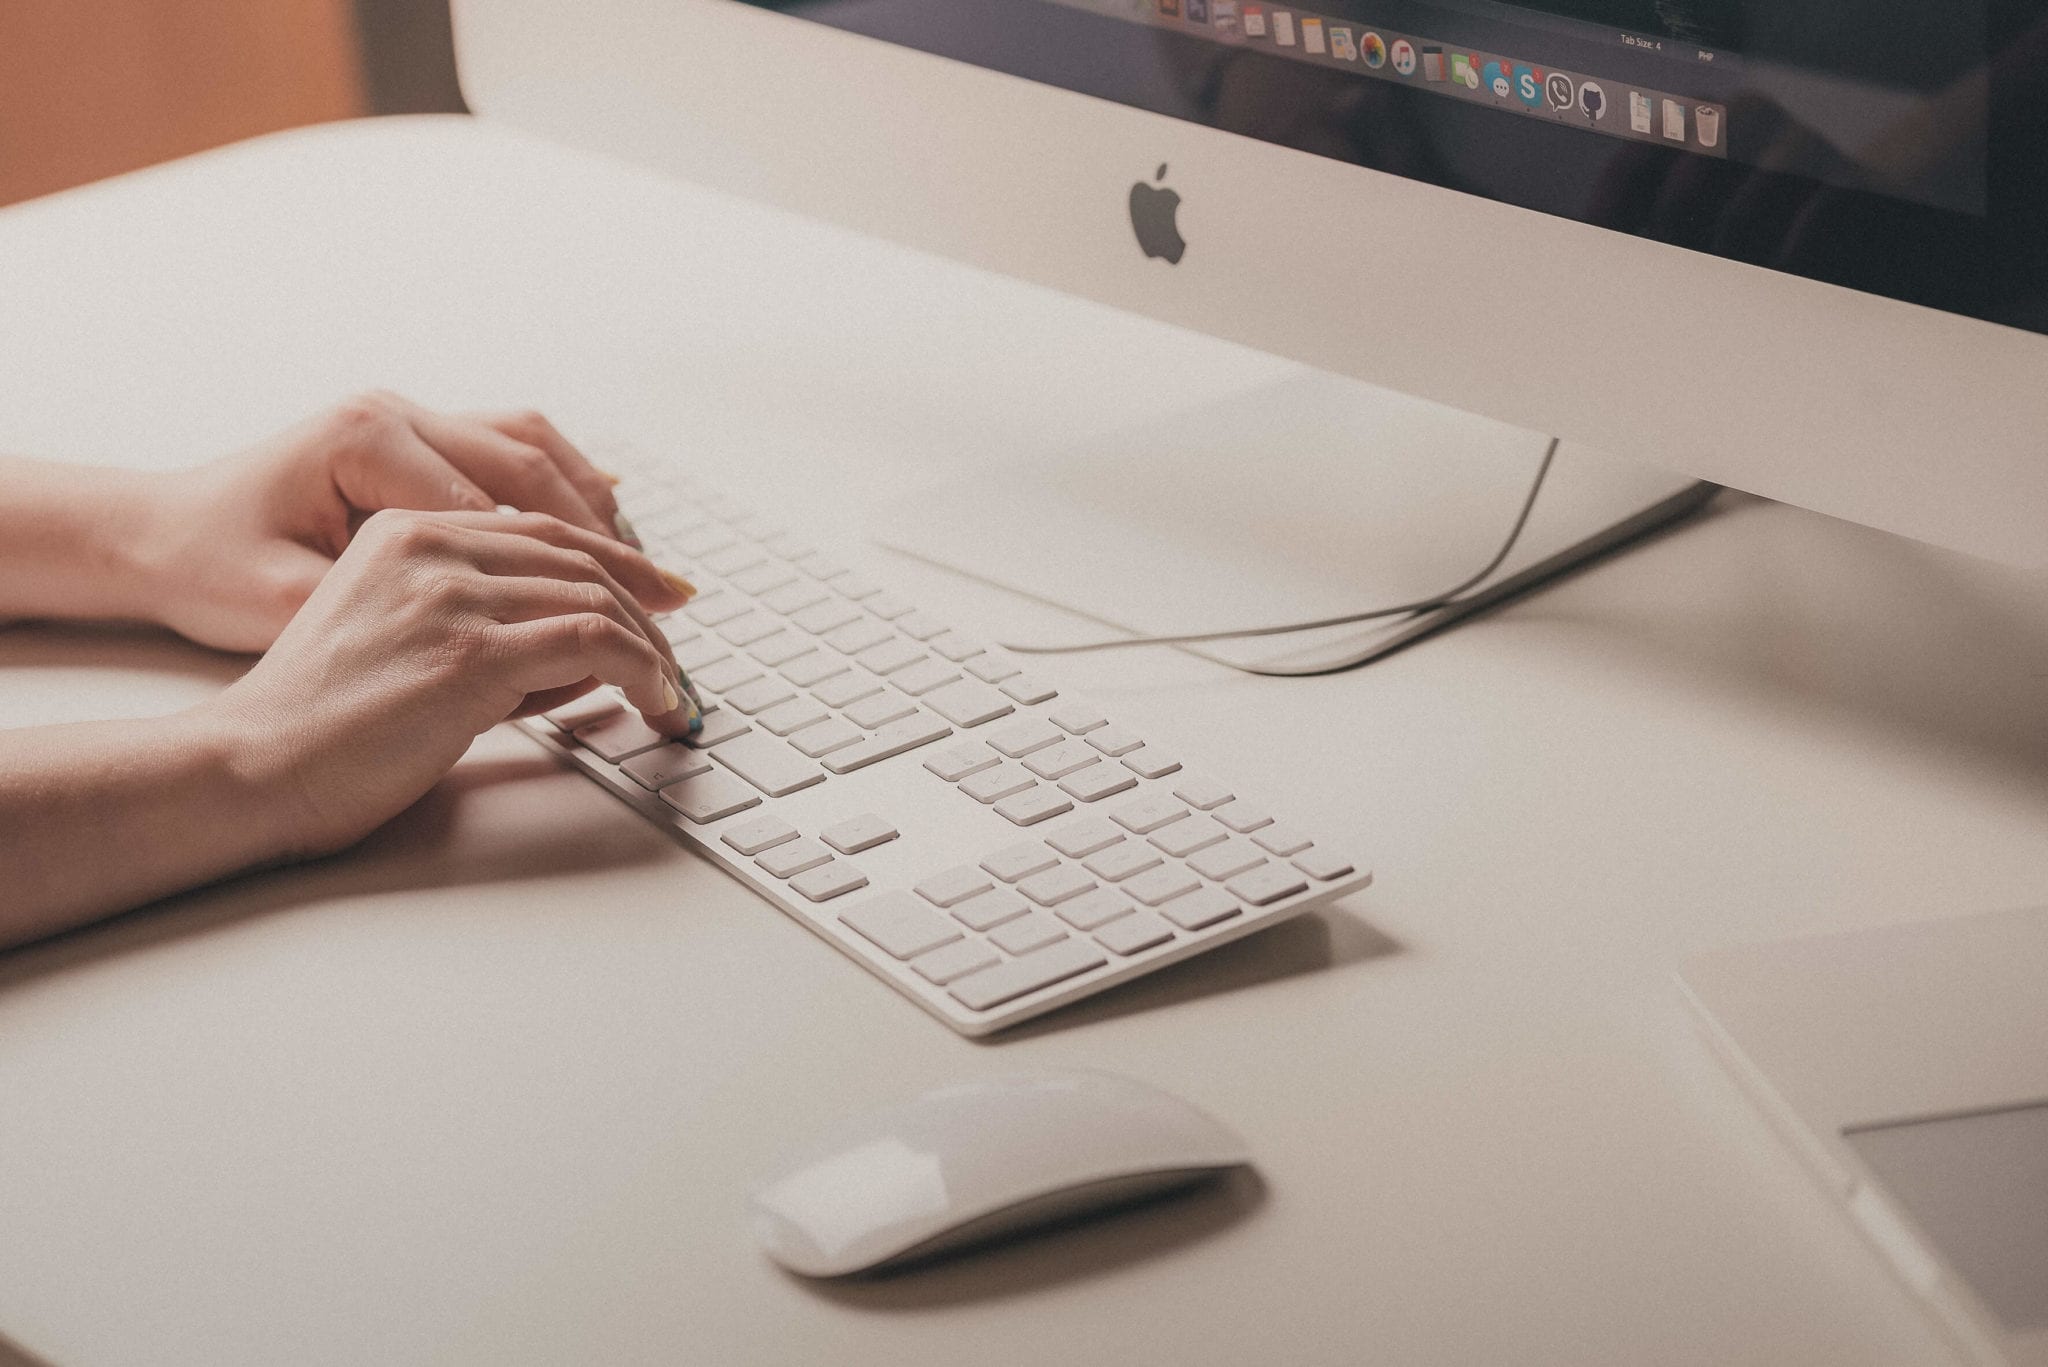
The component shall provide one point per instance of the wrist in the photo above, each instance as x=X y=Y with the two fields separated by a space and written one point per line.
x=259 y=806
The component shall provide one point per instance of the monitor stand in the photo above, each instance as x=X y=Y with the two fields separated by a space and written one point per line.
x=1310 y=497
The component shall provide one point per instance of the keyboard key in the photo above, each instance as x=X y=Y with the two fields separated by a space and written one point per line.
x=1013 y=978
x=900 y=926
x=1028 y=809
x=763 y=832
x=956 y=762
x=1121 y=861
x=850 y=687
x=1182 y=838
x=1145 y=815
x=678 y=629
x=1027 y=933
x=1077 y=718
x=726 y=674
x=620 y=737
x=1096 y=908
x=993 y=667
x=585 y=710
x=1227 y=860
x=955 y=647
x=793 y=598
x=755 y=626
x=920 y=627
x=716 y=609
x=710 y=796
x=1242 y=816
x=1130 y=935
x=1282 y=840
x=1202 y=907
x=879 y=710
x=1056 y=885
x=1151 y=762
x=828 y=881
x=794 y=715
x=826 y=737
x=853 y=584
x=1025 y=735
x=954 y=885
x=1099 y=781
x=891 y=655
x=789 y=546
x=719 y=727
x=704 y=540
x=768 y=764
x=966 y=703
x=1114 y=741
x=1057 y=761
x=858 y=833
x=1202 y=794
x=819 y=566
x=780 y=649
x=1162 y=885
x=813 y=668
x=1267 y=883
x=888 y=606
x=794 y=857
x=764 y=578
x=858 y=635
x=741 y=555
x=1020 y=861
x=894 y=739
x=1322 y=865
x=827 y=614
x=759 y=695
x=942 y=965
x=1028 y=690
x=990 y=908
x=993 y=785
x=1083 y=836
x=653 y=769
x=702 y=653
x=924 y=676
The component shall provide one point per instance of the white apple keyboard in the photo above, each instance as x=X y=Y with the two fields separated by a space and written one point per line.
x=987 y=844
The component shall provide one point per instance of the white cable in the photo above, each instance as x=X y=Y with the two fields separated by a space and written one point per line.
x=1440 y=600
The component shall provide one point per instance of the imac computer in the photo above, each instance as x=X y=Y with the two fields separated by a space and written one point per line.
x=1796 y=247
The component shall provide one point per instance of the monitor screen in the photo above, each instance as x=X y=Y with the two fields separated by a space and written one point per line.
x=1898 y=147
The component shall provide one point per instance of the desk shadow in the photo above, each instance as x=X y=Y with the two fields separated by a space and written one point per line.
x=1310 y=943
x=115 y=648
x=13 y=1354
x=1066 y=1251
x=409 y=853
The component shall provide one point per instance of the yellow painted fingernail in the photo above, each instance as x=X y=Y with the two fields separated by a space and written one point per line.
x=678 y=583
x=670 y=699
x=608 y=476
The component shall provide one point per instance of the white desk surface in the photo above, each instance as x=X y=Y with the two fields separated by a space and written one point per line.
x=490 y=1089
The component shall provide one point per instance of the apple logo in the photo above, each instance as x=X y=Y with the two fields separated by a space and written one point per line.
x=1152 y=219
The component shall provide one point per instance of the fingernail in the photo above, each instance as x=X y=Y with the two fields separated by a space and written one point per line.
x=607 y=476
x=670 y=699
x=678 y=583
x=696 y=720
x=623 y=525
x=691 y=689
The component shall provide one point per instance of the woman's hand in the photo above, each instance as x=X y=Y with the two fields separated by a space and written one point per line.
x=224 y=554
x=429 y=630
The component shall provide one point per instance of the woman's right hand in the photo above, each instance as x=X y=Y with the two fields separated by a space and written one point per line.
x=430 y=629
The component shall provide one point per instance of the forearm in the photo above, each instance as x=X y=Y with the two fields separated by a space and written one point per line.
x=101 y=817
x=70 y=541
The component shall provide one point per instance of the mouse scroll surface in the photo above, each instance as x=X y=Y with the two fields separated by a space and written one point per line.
x=974 y=1160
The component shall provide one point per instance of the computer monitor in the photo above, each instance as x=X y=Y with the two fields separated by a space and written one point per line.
x=1799 y=247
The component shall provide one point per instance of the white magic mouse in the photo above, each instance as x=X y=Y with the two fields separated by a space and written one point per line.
x=976 y=1160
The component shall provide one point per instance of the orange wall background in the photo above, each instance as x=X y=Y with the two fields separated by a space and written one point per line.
x=91 y=88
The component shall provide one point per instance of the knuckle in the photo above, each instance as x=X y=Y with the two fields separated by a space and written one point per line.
x=594 y=600
x=528 y=423
x=584 y=565
x=530 y=463
x=364 y=414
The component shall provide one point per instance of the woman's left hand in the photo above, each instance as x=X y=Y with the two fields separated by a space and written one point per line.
x=228 y=552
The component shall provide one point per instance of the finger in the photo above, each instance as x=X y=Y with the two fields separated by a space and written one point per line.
x=510 y=471
x=661 y=590
x=558 y=652
x=504 y=554
x=381 y=462
x=549 y=699
x=594 y=484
